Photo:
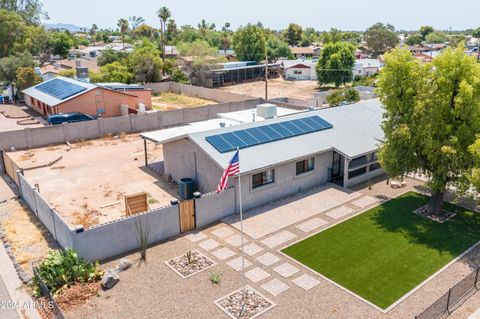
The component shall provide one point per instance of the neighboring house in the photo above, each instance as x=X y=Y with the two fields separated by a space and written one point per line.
x=53 y=69
x=300 y=69
x=281 y=156
x=305 y=52
x=171 y=51
x=366 y=67
x=63 y=95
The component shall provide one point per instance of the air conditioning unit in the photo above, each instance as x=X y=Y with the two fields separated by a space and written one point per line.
x=267 y=110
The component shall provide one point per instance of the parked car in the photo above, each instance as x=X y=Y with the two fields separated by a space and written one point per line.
x=68 y=118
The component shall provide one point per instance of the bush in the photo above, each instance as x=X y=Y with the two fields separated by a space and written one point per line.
x=342 y=96
x=64 y=268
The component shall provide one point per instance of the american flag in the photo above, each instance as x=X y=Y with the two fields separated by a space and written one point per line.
x=232 y=169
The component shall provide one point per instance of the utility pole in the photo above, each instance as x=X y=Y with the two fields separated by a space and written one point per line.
x=266 y=77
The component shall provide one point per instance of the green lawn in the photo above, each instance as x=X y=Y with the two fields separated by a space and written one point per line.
x=387 y=251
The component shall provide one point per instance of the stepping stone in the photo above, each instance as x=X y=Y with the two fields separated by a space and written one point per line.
x=257 y=274
x=306 y=282
x=279 y=238
x=268 y=259
x=223 y=253
x=209 y=244
x=275 y=287
x=236 y=240
x=194 y=237
x=252 y=249
x=222 y=232
x=286 y=270
x=236 y=263
x=311 y=224
x=340 y=212
x=365 y=201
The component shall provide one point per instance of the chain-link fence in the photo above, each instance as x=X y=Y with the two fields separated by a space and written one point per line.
x=453 y=298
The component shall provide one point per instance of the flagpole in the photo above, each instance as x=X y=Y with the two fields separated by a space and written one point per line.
x=241 y=227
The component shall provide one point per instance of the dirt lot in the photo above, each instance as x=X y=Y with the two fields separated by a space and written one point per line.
x=10 y=115
x=172 y=101
x=87 y=183
x=302 y=90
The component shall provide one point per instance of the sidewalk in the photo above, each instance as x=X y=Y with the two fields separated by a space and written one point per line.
x=5 y=311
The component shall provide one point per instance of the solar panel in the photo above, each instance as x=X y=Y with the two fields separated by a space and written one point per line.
x=227 y=142
x=60 y=89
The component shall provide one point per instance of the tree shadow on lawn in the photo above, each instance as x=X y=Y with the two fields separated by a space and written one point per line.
x=451 y=237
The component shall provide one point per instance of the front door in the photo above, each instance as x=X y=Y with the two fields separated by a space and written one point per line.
x=186 y=210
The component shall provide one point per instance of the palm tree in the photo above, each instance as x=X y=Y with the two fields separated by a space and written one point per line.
x=136 y=21
x=123 y=26
x=93 y=32
x=164 y=14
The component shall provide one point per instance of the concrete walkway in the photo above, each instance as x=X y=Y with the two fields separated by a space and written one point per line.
x=11 y=289
x=5 y=311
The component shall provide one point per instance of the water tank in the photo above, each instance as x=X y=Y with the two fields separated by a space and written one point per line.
x=123 y=109
x=186 y=188
x=141 y=108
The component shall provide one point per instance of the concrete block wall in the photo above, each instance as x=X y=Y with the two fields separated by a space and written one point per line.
x=112 y=239
x=46 y=214
x=212 y=207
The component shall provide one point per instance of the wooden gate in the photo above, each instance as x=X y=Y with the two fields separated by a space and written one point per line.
x=10 y=167
x=186 y=210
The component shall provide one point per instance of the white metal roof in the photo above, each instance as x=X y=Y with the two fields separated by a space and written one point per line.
x=51 y=100
x=247 y=116
x=356 y=131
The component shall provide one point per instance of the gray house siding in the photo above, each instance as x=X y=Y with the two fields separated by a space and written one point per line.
x=182 y=159
x=286 y=182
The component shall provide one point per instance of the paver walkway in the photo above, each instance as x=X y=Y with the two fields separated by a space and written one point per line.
x=277 y=215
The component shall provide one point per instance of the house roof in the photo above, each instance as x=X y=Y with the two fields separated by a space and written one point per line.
x=368 y=63
x=300 y=63
x=302 y=50
x=356 y=131
x=53 y=100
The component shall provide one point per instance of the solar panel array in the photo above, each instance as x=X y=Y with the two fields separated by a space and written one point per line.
x=60 y=89
x=227 y=142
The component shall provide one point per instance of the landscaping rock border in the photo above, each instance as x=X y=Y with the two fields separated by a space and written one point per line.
x=22 y=274
x=199 y=262
x=255 y=303
x=423 y=211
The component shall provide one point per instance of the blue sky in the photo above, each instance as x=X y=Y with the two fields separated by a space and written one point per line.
x=322 y=15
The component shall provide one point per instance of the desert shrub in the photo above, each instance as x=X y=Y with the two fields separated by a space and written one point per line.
x=64 y=268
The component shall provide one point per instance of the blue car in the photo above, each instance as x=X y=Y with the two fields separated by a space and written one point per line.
x=69 y=118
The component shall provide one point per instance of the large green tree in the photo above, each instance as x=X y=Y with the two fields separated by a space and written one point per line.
x=249 y=43
x=61 y=43
x=122 y=25
x=26 y=77
x=145 y=63
x=163 y=14
x=414 y=39
x=432 y=119
x=277 y=48
x=113 y=72
x=293 y=34
x=380 y=38
x=336 y=62
x=436 y=37
x=30 y=10
x=425 y=30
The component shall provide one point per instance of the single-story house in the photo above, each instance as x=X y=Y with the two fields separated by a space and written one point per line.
x=366 y=67
x=283 y=155
x=63 y=95
x=300 y=69
x=305 y=52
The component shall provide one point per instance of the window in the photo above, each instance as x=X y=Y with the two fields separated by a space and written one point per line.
x=374 y=166
x=263 y=178
x=305 y=166
x=297 y=71
x=357 y=172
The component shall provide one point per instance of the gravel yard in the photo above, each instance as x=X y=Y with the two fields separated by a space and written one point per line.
x=87 y=182
x=153 y=290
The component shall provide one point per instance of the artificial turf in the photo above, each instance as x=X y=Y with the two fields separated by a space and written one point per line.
x=387 y=251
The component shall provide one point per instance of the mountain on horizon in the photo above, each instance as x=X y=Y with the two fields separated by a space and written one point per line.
x=64 y=26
